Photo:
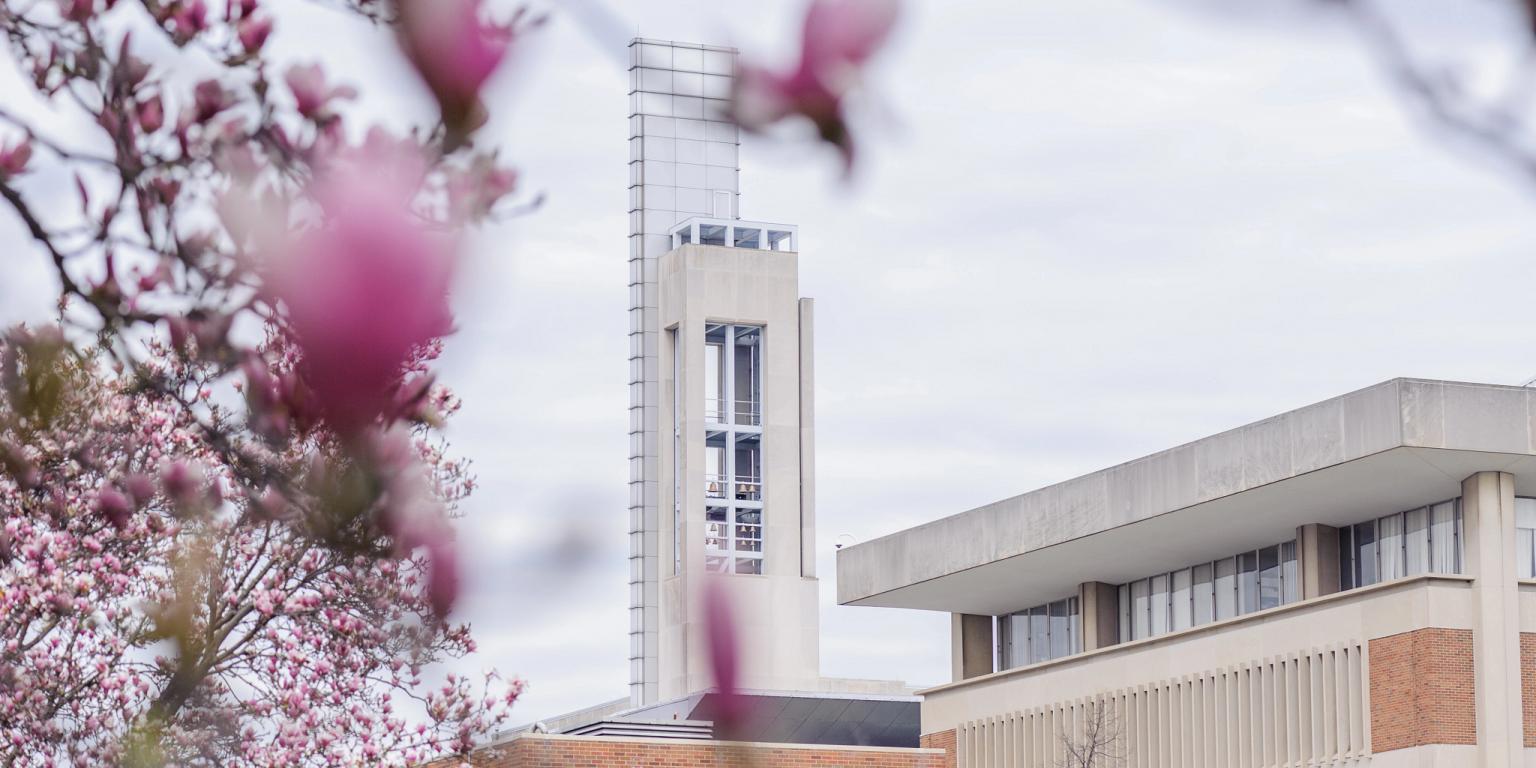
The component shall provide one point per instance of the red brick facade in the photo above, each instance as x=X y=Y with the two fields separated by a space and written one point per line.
x=1528 y=685
x=945 y=740
x=1421 y=689
x=542 y=751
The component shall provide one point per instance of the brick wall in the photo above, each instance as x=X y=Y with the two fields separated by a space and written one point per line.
x=1528 y=685
x=1421 y=689
x=549 y=751
x=945 y=740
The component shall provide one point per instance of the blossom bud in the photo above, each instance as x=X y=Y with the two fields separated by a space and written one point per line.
x=253 y=33
x=209 y=99
x=151 y=114
x=14 y=157
x=180 y=481
x=113 y=506
x=140 y=487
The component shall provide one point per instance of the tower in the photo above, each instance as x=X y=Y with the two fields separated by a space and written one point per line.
x=721 y=411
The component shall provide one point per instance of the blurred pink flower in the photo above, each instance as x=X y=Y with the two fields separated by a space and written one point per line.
x=253 y=33
x=453 y=49
x=839 y=37
x=364 y=290
x=191 y=17
x=151 y=114
x=308 y=85
x=14 y=158
x=112 y=505
x=209 y=99
x=724 y=653
x=413 y=516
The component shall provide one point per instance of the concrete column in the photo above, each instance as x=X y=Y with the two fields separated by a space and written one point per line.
x=1317 y=553
x=807 y=439
x=1100 y=606
x=1488 y=510
x=970 y=644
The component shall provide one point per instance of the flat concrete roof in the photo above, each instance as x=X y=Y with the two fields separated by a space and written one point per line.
x=1387 y=448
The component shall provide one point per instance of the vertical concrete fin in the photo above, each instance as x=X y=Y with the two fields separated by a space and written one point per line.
x=807 y=441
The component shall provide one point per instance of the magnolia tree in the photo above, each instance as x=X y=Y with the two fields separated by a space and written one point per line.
x=225 y=508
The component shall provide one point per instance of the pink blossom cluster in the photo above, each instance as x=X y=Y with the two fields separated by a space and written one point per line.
x=838 y=38
x=305 y=651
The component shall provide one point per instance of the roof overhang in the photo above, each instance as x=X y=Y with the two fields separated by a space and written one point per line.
x=1388 y=448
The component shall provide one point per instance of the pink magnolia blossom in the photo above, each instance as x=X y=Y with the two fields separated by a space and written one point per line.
x=454 y=51
x=191 y=17
x=309 y=89
x=253 y=33
x=209 y=99
x=366 y=289
x=724 y=653
x=838 y=38
x=14 y=158
x=150 y=114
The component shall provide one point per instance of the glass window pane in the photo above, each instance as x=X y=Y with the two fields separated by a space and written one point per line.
x=1269 y=577
x=1525 y=512
x=1442 y=537
x=711 y=234
x=1060 y=629
x=746 y=238
x=1125 y=613
x=1074 y=627
x=1525 y=535
x=1416 y=541
x=1247 y=582
x=1365 y=554
x=1140 y=605
x=1159 y=605
x=1389 y=546
x=1181 y=601
x=1226 y=588
x=1039 y=635
x=749 y=565
x=1018 y=639
x=1204 y=597
x=1346 y=557
x=1289 y=578
x=714 y=385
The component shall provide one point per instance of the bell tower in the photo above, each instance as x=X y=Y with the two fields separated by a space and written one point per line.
x=721 y=410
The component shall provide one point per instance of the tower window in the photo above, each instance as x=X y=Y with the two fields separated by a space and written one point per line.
x=733 y=452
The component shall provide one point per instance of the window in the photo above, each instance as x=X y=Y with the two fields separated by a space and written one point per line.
x=1201 y=594
x=711 y=234
x=748 y=375
x=1525 y=538
x=714 y=382
x=1423 y=540
x=1042 y=633
x=746 y=238
x=733 y=448
x=778 y=241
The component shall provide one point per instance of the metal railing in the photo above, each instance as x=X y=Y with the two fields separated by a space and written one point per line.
x=716 y=486
x=749 y=412
x=749 y=488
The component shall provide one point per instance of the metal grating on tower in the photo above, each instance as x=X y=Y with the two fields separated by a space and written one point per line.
x=682 y=163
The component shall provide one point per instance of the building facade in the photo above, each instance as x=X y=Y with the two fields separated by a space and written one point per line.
x=682 y=163
x=1350 y=583
x=722 y=420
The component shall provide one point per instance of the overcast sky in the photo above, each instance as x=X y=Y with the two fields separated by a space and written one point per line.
x=1082 y=232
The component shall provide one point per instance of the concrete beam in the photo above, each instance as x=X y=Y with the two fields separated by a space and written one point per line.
x=1380 y=450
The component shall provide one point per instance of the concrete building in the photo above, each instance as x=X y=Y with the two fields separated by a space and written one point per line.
x=1349 y=583
x=722 y=459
